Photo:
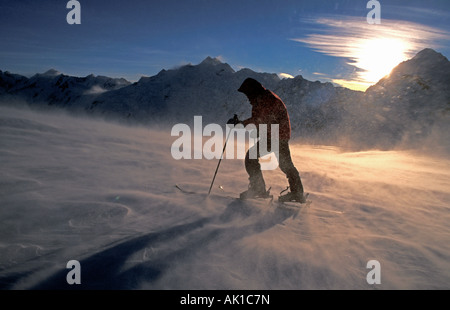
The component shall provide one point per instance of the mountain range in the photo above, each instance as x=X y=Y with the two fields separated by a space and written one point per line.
x=410 y=107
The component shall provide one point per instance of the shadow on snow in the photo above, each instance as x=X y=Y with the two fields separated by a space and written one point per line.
x=105 y=269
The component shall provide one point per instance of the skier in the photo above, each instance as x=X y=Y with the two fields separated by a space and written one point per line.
x=268 y=108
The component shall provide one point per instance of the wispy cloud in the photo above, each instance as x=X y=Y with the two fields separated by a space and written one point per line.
x=415 y=13
x=374 y=50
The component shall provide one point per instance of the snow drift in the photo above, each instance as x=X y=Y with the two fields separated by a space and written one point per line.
x=103 y=194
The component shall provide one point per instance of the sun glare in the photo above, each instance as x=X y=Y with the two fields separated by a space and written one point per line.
x=372 y=50
x=354 y=85
x=377 y=57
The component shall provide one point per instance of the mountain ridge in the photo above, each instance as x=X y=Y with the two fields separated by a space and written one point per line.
x=407 y=103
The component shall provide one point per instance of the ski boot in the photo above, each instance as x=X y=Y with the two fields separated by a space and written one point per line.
x=252 y=194
x=296 y=196
x=256 y=189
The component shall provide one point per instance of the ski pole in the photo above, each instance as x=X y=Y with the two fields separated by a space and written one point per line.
x=221 y=156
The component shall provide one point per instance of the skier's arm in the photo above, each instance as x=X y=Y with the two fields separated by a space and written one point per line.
x=234 y=121
x=256 y=117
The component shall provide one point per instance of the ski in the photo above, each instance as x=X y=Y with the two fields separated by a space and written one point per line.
x=306 y=204
x=261 y=198
x=269 y=198
x=292 y=205
x=296 y=204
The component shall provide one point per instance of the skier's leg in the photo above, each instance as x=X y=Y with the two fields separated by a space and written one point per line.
x=257 y=186
x=288 y=168
x=252 y=165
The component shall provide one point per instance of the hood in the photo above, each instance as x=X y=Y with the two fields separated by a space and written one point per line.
x=251 y=88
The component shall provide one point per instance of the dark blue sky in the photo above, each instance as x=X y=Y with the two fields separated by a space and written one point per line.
x=140 y=37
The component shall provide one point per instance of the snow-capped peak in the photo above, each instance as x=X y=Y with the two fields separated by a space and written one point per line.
x=428 y=65
x=429 y=54
x=218 y=65
x=211 y=61
x=427 y=60
x=51 y=72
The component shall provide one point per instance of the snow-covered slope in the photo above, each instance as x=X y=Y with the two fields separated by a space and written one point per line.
x=103 y=194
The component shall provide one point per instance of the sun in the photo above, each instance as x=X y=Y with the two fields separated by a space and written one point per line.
x=374 y=59
x=377 y=57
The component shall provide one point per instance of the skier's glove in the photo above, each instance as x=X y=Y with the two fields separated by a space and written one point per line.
x=234 y=121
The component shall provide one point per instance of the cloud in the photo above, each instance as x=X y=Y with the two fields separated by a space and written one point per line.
x=95 y=90
x=285 y=76
x=220 y=58
x=345 y=34
x=374 y=50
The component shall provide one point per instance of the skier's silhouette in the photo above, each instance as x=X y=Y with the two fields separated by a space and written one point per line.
x=268 y=108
